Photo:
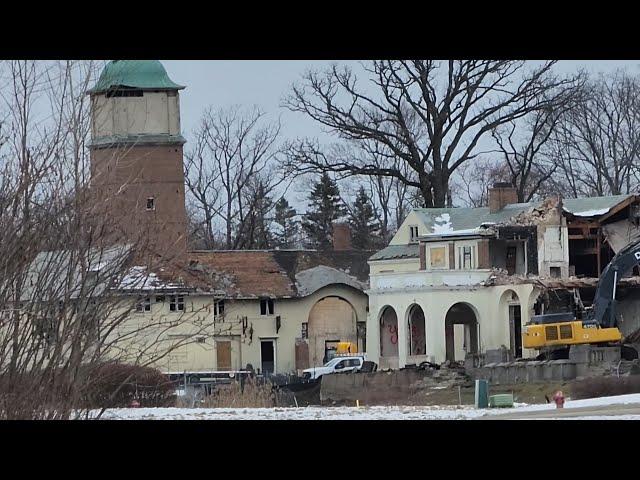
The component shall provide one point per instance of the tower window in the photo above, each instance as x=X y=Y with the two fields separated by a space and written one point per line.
x=124 y=93
x=151 y=203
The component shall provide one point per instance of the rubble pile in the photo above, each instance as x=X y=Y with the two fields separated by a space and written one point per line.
x=548 y=210
x=448 y=376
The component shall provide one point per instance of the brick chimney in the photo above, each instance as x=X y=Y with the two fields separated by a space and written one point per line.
x=501 y=194
x=341 y=236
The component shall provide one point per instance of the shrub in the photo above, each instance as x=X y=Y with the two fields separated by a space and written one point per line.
x=116 y=385
x=605 y=386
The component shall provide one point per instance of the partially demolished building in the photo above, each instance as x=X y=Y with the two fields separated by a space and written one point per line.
x=456 y=282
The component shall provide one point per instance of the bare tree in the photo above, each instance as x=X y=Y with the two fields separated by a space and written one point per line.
x=68 y=302
x=232 y=147
x=527 y=161
x=430 y=116
x=596 y=143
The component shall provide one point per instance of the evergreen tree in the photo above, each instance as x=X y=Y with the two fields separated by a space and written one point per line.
x=324 y=208
x=255 y=230
x=364 y=228
x=285 y=218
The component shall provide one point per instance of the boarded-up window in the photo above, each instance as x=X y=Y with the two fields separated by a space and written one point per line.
x=223 y=355
x=437 y=257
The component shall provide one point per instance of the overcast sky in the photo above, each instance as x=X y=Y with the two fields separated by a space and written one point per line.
x=265 y=82
x=222 y=83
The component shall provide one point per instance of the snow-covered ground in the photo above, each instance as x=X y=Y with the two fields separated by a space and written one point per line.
x=360 y=413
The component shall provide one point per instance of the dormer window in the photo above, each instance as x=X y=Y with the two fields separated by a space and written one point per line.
x=413 y=233
x=151 y=203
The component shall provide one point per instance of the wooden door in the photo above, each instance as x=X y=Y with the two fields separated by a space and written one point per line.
x=223 y=355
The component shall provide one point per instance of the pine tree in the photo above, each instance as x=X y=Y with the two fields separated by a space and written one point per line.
x=324 y=208
x=363 y=225
x=285 y=218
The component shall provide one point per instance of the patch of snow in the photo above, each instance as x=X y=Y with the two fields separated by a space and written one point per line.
x=306 y=413
x=590 y=213
x=434 y=412
x=96 y=268
x=139 y=279
x=453 y=233
x=442 y=224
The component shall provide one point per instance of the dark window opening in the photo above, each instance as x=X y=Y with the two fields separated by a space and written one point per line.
x=511 y=260
x=176 y=303
x=305 y=330
x=267 y=354
x=218 y=308
x=143 y=305
x=124 y=92
x=413 y=231
x=151 y=203
x=554 y=272
x=159 y=298
x=266 y=306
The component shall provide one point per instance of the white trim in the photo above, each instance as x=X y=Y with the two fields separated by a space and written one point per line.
x=428 y=248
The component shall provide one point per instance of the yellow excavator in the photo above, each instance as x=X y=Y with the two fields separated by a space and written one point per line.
x=554 y=333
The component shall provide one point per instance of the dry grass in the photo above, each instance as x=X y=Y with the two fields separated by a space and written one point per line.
x=234 y=395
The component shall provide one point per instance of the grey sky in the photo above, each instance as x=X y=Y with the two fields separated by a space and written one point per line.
x=264 y=82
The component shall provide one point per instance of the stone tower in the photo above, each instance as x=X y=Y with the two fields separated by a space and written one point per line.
x=137 y=177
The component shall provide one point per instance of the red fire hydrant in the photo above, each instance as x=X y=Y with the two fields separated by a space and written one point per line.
x=135 y=404
x=558 y=397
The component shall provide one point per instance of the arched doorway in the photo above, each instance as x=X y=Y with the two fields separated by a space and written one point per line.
x=388 y=333
x=512 y=313
x=461 y=332
x=331 y=320
x=417 y=337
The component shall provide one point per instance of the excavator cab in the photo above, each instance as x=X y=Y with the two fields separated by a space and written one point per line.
x=563 y=329
x=599 y=322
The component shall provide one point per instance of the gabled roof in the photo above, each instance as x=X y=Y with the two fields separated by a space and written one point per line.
x=447 y=220
x=281 y=273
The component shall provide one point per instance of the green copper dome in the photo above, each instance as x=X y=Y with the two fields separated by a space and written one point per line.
x=143 y=74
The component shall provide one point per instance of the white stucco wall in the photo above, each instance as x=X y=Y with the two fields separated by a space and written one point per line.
x=491 y=314
x=245 y=347
x=403 y=235
x=153 y=113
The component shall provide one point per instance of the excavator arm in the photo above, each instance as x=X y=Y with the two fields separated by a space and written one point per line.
x=603 y=312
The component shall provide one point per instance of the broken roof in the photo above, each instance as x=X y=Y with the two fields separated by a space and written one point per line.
x=464 y=222
x=592 y=206
x=60 y=273
x=281 y=273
